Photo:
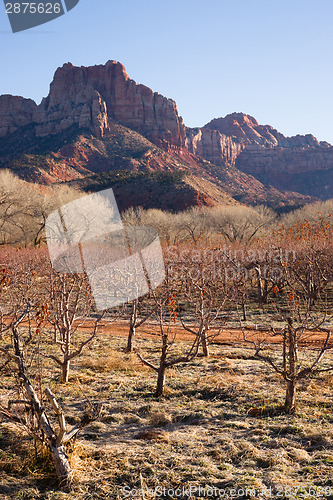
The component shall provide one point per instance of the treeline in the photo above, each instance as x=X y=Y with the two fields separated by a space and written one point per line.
x=232 y=224
x=24 y=207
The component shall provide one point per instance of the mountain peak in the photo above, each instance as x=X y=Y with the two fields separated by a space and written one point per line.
x=241 y=119
x=90 y=70
x=241 y=125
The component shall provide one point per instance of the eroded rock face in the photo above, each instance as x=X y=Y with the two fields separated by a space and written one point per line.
x=85 y=108
x=15 y=112
x=257 y=160
x=89 y=97
x=261 y=149
x=247 y=129
x=213 y=146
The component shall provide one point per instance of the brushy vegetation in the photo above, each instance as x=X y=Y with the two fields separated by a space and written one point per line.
x=25 y=206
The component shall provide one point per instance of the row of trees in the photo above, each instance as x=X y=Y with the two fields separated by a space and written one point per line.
x=294 y=279
x=229 y=224
x=203 y=290
x=25 y=206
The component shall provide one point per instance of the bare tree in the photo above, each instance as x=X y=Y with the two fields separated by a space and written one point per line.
x=136 y=319
x=70 y=307
x=192 y=225
x=24 y=208
x=203 y=287
x=286 y=362
x=19 y=202
x=32 y=413
x=239 y=223
x=303 y=325
x=23 y=278
x=166 y=317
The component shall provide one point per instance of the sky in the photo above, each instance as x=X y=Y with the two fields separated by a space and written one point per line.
x=271 y=59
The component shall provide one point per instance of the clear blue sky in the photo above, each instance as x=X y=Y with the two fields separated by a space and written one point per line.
x=271 y=59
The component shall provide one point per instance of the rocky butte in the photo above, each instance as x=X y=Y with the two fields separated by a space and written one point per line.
x=89 y=97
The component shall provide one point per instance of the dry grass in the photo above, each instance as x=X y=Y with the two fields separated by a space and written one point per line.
x=200 y=434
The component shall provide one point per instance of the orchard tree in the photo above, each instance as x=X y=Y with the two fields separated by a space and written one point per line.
x=304 y=323
x=311 y=272
x=137 y=317
x=287 y=360
x=69 y=309
x=203 y=287
x=31 y=411
x=24 y=311
x=166 y=316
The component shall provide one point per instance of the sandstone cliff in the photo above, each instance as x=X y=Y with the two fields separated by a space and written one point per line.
x=15 y=112
x=247 y=129
x=213 y=146
x=239 y=140
x=89 y=97
x=287 y=163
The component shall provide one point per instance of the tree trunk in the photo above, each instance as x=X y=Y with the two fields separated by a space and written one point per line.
x=58 y=452
x=311 y=288
x=160 y=380
x=290 y=403
x=133 y=319
x=260 y=291
x=244 y=311
x=292 y=368
x=131 y=335
x=265 y=292
x=204 y=343
x=65 y=371
x=162 y=367
x=62 y=466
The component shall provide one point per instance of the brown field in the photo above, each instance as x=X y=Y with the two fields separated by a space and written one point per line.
x=223 y=427
x=201 y=434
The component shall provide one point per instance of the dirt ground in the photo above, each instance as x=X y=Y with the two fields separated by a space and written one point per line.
x=225 y=336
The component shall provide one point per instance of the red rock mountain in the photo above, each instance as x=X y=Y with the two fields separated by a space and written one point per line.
x=299 y=163
x=89 y=97
x=250 y=162
x=15 y=112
